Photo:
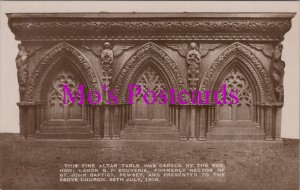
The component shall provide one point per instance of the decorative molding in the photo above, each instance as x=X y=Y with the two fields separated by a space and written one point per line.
x=264 y=82
x=148 y=51
x=28 y=27
x=41 y=71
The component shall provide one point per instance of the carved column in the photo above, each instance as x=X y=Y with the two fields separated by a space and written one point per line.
x=202 y=122
x=31 y=119
x=192 y=123
x=116 y=122
x=22 y=120
x=268 y=122
x=277 y=120
x=177 y=118
x=129 y=114
x=106 y=121
x=174 y=116
x=183 y=112
x=97 y=122
x=262 y=118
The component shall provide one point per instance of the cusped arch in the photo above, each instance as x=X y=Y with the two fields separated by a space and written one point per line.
x=61 y=51
x=238 y=55
x=149 y=53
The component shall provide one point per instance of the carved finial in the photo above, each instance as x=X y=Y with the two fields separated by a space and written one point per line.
x=277 y=72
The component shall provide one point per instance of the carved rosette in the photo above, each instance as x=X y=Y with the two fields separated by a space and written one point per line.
x=277 y=72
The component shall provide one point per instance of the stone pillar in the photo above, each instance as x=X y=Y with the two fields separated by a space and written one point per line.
x=278 y=115
x=268 y=122
x=177 y=118
x=126 y=117
x=202 y=122
x=106 y=121
x=31 y=120
x=213 y=115
x=97 y=122
x=121 y=112
x=192 y=123
x=183 y=125
x=174 y=116
x=38 y=117
x=116 y=122
x=254 y=114
x=262 y=118
x=129 y=114
x=22 y=120
x=93 y=116
x=171 y=114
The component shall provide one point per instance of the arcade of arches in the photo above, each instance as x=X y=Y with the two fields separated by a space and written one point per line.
x=192 y=51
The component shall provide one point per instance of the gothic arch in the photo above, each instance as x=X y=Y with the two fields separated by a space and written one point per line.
x=148 y=53
x=61 y=51
x=251 y=67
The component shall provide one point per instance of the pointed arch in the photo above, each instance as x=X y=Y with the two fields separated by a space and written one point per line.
x=152 y=54
x=77 y=61
x=239 y=56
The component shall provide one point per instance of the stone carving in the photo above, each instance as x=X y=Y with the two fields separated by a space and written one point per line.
x=44 y=67
x=107 y=57
x=168 y=28
x=266 y=49
x=235 y=80
x=277 y=72
x=22 y=67
x=150 y=80
x=57 y=108
x=117 y=49
x=193 y=58
x=56 y=94
x=264 y=83
x=159 y=58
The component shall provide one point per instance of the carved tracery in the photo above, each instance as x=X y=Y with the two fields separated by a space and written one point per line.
x=236 y=82
x=150 y=80
x=58 y=108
